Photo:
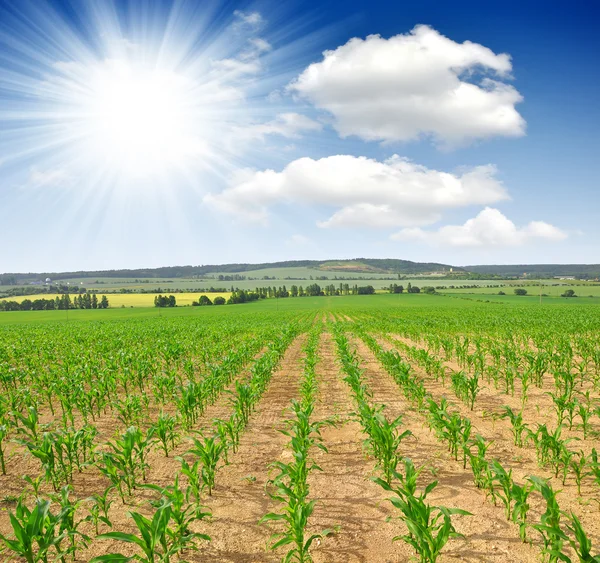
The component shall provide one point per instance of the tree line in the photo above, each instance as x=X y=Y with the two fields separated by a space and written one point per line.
x=395 y=288
x=60 y=302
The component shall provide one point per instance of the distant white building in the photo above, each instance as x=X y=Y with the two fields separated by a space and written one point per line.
x=48 y=280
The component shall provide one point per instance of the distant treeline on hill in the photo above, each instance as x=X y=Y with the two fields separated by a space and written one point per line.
x=382 y=264
x=578 y=271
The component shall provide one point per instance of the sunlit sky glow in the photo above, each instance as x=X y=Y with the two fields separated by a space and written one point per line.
x=142 y=134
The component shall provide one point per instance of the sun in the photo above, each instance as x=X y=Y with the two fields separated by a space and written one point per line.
x=138 y=119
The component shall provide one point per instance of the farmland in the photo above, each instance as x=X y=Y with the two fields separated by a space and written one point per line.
x=241 y=433
x=132 y=299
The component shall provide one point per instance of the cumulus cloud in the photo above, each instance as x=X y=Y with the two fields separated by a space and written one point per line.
x=363 y=192
x=414 y=85
x=489 y=228
x=288 y=125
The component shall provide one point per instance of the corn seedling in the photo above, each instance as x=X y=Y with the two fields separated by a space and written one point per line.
x=156 y=540
x=517 y=424
x=36 y=536
x=209 y=452
x=429 y=527
x=549 y=525
x=164 y=431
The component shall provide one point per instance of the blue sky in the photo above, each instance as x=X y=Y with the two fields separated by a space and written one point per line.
x=142 y=134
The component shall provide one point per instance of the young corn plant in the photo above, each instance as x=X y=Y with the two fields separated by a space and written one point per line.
x=480 y=465
x=505 y=482
x=549 y=525
x=4 y=432
x=156 y=540
x=229 y=431
x=45 y=451
x=126 y=463
x=194 y=478
x=183 y=513
x=595 y=466
x=429 y=527
x=164 y=429
x=580 y=542
x=466 y=387
x=112 y=470
x=100 y=506
x=518 y=426
x=69 y=524
x=520 y=496
x=208 y=451
x=36 y=533
x=578 y=467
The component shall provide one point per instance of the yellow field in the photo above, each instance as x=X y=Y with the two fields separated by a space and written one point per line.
x=131 y=299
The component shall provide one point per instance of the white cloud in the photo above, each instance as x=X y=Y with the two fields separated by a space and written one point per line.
x=259 y=45
x=235 y=67
x=489 y=228
x=362 y=191
x=288 y=125
x=251 y=19
x=248 y=61
x=408 y=86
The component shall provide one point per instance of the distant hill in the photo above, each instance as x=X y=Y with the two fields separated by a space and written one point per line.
x=543 y=270
x=391 y=266
x=363 y=265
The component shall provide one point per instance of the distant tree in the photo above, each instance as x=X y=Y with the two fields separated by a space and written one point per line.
x=569 y=293
x=65 y=301
x=520 y=291
x=219 y=300
x=366 y=290
x=204 y=300
x=103 y=303
x=171 y=301
x=501 y=293
x=313 y=289
x=94 y=301
x=429 y=289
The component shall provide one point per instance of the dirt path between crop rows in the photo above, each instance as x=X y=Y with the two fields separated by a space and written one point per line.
x=488 y=536
x=239 y=499
x=346 y=497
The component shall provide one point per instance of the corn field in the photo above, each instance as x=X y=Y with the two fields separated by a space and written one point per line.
x=402 y=434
